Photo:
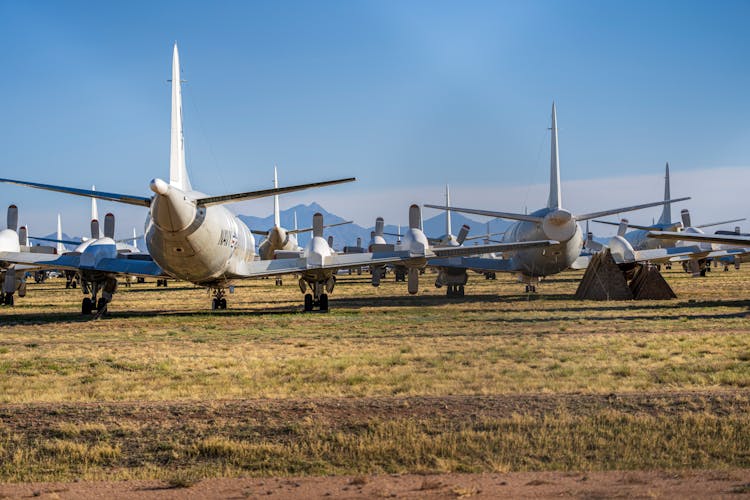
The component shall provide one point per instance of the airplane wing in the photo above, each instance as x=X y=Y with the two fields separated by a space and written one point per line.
x=479 y=264
x=498 y=247
x=727 y=239
x=72 y=261
x=275 y=267
x=660 y=255
x=489 y=213
x=630 y=226
x=55 y=240
x=613 y=211
x=325 y=226
x=140 y=201
x=251 y=195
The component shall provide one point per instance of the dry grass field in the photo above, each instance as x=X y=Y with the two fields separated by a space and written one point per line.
x=494 y=382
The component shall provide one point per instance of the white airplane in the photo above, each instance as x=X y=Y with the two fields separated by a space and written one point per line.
x=193 y=237
x=416 y=244
x=639 y=238
x=552 y=223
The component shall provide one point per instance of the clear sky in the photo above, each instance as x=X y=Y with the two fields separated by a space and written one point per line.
x=405 y=95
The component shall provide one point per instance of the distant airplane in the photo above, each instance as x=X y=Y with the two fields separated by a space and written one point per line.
x=639 y=238
x=552 y=223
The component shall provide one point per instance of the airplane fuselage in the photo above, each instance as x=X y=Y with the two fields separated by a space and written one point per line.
x=539 y=262
x=202 y=245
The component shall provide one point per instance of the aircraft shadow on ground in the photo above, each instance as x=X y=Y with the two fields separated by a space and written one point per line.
x=394 y=301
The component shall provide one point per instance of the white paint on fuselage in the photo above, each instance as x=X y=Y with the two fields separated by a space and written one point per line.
x=208 y=250
x=545 y=261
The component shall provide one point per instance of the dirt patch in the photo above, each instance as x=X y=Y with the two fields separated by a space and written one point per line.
x=614 y=484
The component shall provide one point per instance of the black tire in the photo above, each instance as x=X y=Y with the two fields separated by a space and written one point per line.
x=308 y=302
x=74 y=284
x=87 y=306
x=8 y=299
x=222 y=303
x=214 y=304
x=324 y=302
x=460 y=290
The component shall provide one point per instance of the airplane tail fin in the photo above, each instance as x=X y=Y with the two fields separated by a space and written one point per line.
x=178 y=176
x=276 y=213
x=666 y=213
x=318 y=225
x=447 y=212
x=60 y=245
x=554 y=177
x=13 y=218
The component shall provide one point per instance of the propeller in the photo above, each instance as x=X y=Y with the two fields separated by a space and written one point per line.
x=413 y=283
x=318 y=225
x=13 y=217
x=359 y=242
x=685 y=216
x=94 y=229
x=330 y=241
x=462 y=234
x=623 y=228
x=379 y=226
x=415 y=217
x=23 y=236
x=109 y=226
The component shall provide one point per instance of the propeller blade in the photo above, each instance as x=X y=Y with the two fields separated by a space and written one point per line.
x=462 y=234
x=623 y=228
x=13 y=218
x=94 y=229
x=415 y=217
x=685 y=216
x=109 y=226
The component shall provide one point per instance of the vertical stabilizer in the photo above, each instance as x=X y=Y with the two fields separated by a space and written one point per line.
x=60 y=246
x=178 y=176
x=276 y=214
x=666 y=213
x=95 y=233
x=447 y=212
x=554 y=175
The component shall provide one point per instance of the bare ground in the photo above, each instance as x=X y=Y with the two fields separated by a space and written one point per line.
x=613 y=484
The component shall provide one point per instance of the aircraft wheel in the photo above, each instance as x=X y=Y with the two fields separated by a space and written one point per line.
x=460 y=290
x=74 y=284
x=67 y=285
x=222 y=303
x=703 y=273
x=308 y=302
x=87 y=306
x=214 y=304
x=324 y=302
x=8 y=300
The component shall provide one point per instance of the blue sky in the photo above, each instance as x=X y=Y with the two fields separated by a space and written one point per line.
x=407 y=96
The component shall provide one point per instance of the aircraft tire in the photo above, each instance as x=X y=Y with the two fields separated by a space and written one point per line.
x=460 y=290
x=86 y=306
x=324 y=302
x=214 y=304
x=222 y=303
x=308 y=302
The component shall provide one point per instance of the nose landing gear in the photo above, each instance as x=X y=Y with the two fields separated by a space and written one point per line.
x=219 y=301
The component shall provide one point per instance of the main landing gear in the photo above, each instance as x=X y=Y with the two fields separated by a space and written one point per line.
x=7 y=299
x=530 y=288
x=455 y=291
x=219 y=301
x=318 y=298
x=90 y=304
x=279 y=282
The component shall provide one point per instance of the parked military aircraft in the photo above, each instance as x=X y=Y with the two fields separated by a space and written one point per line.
x=639 y=238
x=191 y=236
x=551 y=222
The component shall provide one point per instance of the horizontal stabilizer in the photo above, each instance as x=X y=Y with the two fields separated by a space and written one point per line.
x=55 y=240
x=326 y=226
x=489 y=213
x=263 y=193
x=140 y=201
x=633 y=226
x=604 y=213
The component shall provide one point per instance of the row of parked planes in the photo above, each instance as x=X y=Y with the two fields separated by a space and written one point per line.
x=193 y=237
